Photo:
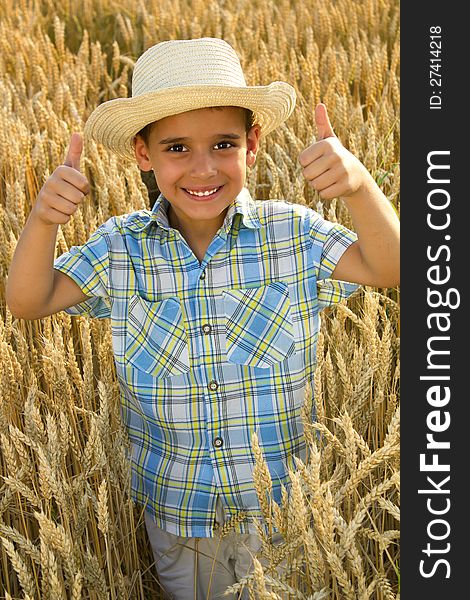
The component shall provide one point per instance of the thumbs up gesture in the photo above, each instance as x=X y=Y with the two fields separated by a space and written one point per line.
x=65 y=189
x=328 y=167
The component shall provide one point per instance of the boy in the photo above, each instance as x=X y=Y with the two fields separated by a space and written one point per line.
x=212 y=296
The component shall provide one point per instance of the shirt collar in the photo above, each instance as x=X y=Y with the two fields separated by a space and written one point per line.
x=243 y=204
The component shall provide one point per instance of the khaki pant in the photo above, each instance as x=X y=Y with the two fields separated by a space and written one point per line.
x=201 y=568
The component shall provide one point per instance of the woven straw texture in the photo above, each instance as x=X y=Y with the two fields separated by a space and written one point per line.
x=182 y=75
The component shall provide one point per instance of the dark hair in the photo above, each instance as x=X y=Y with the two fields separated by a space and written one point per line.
x=249 y=122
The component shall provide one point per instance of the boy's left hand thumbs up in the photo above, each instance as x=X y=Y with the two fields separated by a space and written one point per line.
x=328 y=167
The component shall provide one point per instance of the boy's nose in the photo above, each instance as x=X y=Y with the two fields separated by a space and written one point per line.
x=203 y=166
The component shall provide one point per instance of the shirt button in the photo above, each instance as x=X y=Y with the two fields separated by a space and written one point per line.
x=203 y=275
x=218 y=442
x=213 y=386
x=206 y=328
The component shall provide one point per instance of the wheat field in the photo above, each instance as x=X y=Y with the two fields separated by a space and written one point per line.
x=68 y=528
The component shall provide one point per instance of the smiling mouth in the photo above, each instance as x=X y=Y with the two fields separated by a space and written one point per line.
x=203 y=194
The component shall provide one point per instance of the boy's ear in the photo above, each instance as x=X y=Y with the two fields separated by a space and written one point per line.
x=252 y=144
x=141 y=154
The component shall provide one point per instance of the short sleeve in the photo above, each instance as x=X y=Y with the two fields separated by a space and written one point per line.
x=88 y=266
x=329 y=242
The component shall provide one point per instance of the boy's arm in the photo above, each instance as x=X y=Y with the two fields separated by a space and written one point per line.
x=375 y=258
x=34 y=288
x=333 y=171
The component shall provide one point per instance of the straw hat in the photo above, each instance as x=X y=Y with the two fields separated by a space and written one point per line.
x=181 y=75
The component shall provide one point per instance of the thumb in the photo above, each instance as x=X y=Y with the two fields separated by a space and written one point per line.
x=74 y=152
x=322 y=121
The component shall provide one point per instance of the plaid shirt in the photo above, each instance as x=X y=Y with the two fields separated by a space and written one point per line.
x=207 y=353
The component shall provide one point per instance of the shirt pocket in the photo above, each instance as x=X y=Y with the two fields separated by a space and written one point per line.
x=156 y=339
x=258 y=325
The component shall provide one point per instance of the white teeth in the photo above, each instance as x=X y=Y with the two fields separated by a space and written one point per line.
x=200 y=194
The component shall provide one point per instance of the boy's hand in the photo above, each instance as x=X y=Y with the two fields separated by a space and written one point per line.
x=65 y=189
x=328 y=167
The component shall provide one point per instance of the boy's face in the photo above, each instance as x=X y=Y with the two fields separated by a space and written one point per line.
x=199 y=159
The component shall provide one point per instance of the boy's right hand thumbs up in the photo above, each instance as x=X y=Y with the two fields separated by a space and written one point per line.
x=65 y=189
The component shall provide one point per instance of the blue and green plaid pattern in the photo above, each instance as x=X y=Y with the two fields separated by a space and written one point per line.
x=208 y=352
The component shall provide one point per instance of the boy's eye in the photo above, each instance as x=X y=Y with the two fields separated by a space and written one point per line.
x=224 y=145
x=176 y=148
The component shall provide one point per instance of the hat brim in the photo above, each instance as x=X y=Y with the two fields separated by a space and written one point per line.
x=116 y=122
